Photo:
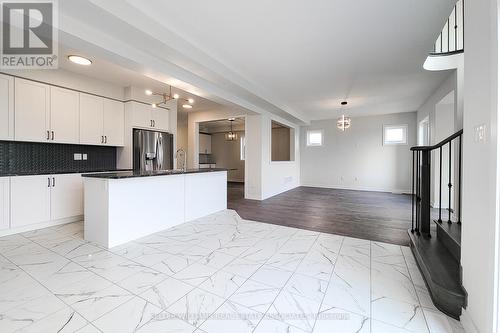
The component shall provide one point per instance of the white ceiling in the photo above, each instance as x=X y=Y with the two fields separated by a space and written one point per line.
x=314 y=54
x=297 y=59
x=223 y=125
x=109 y=72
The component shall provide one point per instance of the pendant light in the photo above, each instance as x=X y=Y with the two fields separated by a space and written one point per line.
x=343 y=122
x=167 y=96
x=231 y=136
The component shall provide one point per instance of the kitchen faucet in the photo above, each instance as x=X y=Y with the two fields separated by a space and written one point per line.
x=182 y=152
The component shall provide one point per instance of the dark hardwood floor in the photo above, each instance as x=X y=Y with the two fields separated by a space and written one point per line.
x=377 y=216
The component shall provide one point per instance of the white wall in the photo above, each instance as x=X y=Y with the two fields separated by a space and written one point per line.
x=480 y=227
x=357 y=158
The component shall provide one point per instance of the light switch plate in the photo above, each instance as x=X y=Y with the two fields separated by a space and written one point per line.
x=84 y=157
x=480 y=133
x=77 y=156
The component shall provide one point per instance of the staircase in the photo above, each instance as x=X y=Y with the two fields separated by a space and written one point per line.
x=436 y=244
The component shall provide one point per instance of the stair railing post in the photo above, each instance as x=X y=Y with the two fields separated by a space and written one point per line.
x=417 y=229
x=440 y=181
x=425 y=203
x=449 y=182
x=413 y=193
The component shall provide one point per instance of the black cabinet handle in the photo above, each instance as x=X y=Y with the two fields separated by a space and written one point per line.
x=48 y=135
x=105 y=139
x=102 y=138
x=53 y=182
x=154 y=123
x=48 y=181
x=52 y=135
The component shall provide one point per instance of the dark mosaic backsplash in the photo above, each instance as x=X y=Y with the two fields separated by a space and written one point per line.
x=30 y=157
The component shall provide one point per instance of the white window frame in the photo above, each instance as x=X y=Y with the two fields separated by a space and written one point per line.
x=308 y=142
x=393 y=143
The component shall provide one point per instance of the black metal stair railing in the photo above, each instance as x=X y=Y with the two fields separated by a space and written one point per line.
x=421 y=183
x=451 y=39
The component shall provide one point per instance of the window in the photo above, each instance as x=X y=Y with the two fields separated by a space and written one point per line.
x=282 y=142
x=242 y=148
x=395 y=134
x=315 y=138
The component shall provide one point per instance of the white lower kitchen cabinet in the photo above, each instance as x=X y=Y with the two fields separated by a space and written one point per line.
x=40 y=201
x=4 y=203
x=30 y=200
x=66 y=196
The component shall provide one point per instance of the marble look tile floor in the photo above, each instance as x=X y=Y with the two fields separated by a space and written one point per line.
x=213 y=275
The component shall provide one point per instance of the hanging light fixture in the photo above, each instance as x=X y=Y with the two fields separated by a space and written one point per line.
x=167 y=96
x=231 y=136
x=343 y=122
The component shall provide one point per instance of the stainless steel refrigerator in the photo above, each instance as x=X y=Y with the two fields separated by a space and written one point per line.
x=152 y=150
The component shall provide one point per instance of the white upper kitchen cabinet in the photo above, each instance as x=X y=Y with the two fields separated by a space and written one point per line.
x=4 y=203
x=144 y=116
x=101 y=121
x=114 y=123
x=66 y=196
x=140 y=115
x=64 y=115
x=6 y=107
x=30 y=200
x=91 y=120
x=32 y=104
x=160 y=119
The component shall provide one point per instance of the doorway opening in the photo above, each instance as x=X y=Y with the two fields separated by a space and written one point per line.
x=222 y=144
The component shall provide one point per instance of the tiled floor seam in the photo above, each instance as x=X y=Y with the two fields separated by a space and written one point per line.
x=415 y=289
x=284 y=285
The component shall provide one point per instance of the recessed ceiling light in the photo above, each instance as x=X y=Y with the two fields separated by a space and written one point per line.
x=187 y=106
x=191 y=101
x=79 y=60
x=154 y=105
x=176 y=96
x=148 y=92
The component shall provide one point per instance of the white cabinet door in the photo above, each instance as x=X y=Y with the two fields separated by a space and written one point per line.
x=64 y=115
x=4 y=203
x=30 y=200
x=6 y=107
x=114 y=123
x=160 y=119
x=66 y=197
x=32 y=102
x=140 y=115
x=91 y=120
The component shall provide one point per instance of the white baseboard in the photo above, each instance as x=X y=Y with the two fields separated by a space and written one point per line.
x=42 y=225
x=359 y=188
x=467 y=323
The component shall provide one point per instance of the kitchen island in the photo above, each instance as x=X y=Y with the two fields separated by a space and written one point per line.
x=120 y=207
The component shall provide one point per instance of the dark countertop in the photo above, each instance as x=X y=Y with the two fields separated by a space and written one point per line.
x=55 y=172
x=135 y=174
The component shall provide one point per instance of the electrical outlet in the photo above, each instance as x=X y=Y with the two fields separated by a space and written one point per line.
x=84 y=157
x=77 y=156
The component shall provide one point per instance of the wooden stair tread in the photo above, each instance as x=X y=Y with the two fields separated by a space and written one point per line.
x=441 y=272
x=454 y=230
